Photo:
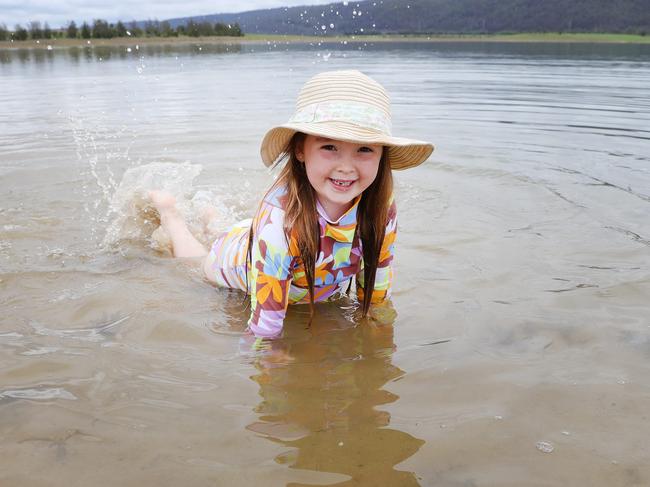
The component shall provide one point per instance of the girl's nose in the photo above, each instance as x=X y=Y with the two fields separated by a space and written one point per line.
x=345 y=164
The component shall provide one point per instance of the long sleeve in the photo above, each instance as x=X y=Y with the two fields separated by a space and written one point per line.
x=270 y=274
x=384 y=275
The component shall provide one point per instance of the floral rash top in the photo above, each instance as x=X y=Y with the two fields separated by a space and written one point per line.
x=277 y=275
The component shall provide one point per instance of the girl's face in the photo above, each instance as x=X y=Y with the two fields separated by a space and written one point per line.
x=338 y=171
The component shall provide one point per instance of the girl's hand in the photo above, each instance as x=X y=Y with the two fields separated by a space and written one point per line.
x=275 y=351
x=383 y=313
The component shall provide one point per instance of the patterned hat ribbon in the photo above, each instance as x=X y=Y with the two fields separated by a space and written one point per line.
x=361 y=114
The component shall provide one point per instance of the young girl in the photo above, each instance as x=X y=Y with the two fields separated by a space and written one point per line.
x=330 y=216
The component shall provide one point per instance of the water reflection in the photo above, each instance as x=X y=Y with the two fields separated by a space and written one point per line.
x=420 y=48
x=90 y=53
x=322 y=397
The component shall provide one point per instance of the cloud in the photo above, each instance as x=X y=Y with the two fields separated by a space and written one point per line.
x=59 y=13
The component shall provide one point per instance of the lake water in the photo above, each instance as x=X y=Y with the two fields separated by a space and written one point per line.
x=521 y=350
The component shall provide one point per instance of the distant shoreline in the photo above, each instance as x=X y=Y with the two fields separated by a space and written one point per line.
x=262 y=38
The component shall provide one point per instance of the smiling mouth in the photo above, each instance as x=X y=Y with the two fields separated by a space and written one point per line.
x=342 y=183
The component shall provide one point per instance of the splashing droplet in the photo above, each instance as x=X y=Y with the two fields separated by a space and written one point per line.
x=544 y=446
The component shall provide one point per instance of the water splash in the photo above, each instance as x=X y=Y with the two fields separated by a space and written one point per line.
x=544 y=447
x=130 y=213
x=97 y=149
x=132 y=217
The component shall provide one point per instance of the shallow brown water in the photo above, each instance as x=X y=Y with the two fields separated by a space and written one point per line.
x=521 y=348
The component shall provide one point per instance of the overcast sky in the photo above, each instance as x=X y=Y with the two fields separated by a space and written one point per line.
x=59 y=12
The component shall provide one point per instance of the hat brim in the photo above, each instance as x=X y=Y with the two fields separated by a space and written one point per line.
x=402 y=153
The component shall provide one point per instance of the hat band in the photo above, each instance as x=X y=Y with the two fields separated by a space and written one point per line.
x=360 y=114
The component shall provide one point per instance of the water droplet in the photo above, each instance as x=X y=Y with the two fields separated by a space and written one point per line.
x=544 y=446
x=340 y=443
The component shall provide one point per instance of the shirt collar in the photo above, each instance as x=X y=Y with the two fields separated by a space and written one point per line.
x=324 y=215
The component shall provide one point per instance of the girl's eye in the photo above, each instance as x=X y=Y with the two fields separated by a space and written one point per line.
x=328 y=147
x=365 y=149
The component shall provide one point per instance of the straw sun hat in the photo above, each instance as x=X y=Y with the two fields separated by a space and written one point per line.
x=349 y=106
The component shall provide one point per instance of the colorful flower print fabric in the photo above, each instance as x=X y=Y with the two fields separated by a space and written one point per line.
x=277 y=276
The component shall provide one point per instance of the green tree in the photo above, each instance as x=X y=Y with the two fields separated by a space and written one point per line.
x=35 y=30
x=20 y=33
x=192 y=28
x=47 y=32
x=221 y=29
x=206 y=29
x=134 y=29
x=85 y=31
x=166 y=29
x=71 y=31
x=235 y=30
x=120 y=29
x=4 y=33
x=101 y=29
x=152 y=28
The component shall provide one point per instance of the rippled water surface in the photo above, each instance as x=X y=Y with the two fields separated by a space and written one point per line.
x=520 y=353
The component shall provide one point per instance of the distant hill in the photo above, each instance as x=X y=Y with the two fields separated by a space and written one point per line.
x=444 y=16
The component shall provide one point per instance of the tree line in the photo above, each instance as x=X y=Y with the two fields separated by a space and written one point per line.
x=101 y=29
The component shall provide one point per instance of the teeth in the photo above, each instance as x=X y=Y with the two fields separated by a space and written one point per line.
x=342 y=183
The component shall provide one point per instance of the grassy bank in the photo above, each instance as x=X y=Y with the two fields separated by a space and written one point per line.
x=260 y=38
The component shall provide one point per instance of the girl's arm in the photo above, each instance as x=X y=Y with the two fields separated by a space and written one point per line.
x=270 y=274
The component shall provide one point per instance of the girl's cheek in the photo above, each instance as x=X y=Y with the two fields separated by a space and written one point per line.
x=328 y=155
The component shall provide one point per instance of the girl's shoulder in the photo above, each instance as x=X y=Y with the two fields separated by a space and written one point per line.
x=276 y=197
x=270 y=213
